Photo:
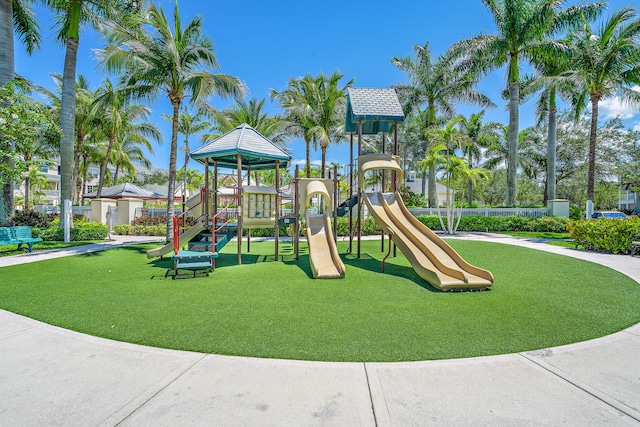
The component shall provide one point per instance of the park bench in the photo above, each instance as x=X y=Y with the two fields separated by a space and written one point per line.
x=635 y=243
x=19 y=235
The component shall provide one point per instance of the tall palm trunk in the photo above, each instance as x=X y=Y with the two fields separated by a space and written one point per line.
x=67 y=124
x=551 y=148
x=512 y=163
x=308 y=158
x=175 y=101
x=591 y=173
x=470 y=182
x=433 y=193
x=27 y=186
x=115 y=175
x=85 y=173
x=323 y=162
x=6 y=74
x=105 y=164
x=76 y=167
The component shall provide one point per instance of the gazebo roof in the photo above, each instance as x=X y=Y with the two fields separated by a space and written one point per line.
x=125 y=190
x=257 y=151
x=375 y=108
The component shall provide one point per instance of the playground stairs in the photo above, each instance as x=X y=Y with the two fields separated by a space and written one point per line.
x=347 y=205
x=200 y=255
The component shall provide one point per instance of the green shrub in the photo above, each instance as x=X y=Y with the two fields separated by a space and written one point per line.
x=576 y=212
x=87 y=231
x=606 y=235
x=32 y=218
x=140 y=230
x=501 y=223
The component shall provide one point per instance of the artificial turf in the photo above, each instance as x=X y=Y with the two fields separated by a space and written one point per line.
x=274 y=309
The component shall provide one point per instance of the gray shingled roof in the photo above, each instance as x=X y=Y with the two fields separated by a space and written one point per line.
x=256 y=150
x=375 y=108
x=125 y=190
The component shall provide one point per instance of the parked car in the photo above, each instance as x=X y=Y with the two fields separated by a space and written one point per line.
x=609 y=215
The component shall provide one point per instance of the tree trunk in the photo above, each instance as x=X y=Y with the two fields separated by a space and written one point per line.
x=67 y=124
x=115 y=175
x=27 y=185
x=470 y=182
x=551 y=148
x=85 y=172
x=7 y=73
x=591 y=173
x=512 y=163
x=433 y=192
x=76 y=168
x=105 y=164
x=175 y=101
x=308 y=158
x=323 y=162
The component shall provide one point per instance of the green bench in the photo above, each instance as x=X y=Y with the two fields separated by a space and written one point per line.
x=18 y=235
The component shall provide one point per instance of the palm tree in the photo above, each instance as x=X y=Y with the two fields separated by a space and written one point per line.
x=606 y=64
x=297 y=100
x=524 y=30
x=328 y=111
x=480 y=135
x=72 y=15
x=128 y=150
x=15 y=16
x=167 y=57
x=188 y=124
x=251 y=113
x=436 y=84
x=119 y=117
x=452 y=139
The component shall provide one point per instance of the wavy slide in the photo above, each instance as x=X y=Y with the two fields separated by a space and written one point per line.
x=323 y=253
x=184 y=238
x=430 y=256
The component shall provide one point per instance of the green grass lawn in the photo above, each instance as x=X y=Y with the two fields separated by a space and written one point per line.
x=8 y=250
x=274 y=309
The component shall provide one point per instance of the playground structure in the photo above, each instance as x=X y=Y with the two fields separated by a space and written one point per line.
x=369 y=111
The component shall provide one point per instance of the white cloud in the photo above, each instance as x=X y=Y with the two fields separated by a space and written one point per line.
x=636 y=127
x=303 y=162
x=614 y=107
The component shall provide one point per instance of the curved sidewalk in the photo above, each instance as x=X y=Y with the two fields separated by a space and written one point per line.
x=52 y=376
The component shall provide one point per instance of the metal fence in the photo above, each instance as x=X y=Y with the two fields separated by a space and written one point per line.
x=527 y=212
x=75 y=210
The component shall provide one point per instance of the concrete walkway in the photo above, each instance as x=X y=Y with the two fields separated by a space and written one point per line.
x=52 y=376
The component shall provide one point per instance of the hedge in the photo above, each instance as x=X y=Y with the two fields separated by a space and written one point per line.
x=501 y=223
x=86 y=231
x=140 y=230
x=605 y=235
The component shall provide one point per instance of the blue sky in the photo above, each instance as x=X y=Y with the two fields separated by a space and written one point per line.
x=265 y=44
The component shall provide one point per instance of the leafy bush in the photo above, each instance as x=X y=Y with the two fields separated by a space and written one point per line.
x=614 y=236
x=157 y=220
x=502 y=223
x=412 y=199
x=140 y=230
x=33 y=219
x=88 y=231
x=576 y=212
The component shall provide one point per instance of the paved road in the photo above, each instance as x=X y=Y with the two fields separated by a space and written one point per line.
x=52 y=376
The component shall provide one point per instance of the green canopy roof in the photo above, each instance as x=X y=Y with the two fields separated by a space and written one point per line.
x=257 y=151
x=375 y=108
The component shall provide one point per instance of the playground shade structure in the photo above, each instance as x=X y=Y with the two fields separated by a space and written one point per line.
x=430 y=256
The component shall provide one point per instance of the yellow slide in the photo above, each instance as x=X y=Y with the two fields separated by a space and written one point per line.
x=184 y=239
x=323 y=254
x=430 y=256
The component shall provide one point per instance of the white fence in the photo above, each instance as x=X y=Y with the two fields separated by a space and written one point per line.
x=528 y=212
x=75 y=210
